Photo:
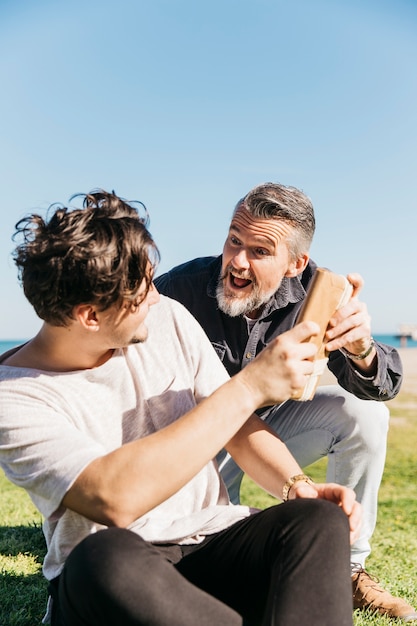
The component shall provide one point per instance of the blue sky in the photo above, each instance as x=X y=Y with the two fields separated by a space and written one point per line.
x=187 y=105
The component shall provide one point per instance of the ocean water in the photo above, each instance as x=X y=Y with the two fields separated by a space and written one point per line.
x=6 y=344
x=391 y=340
x=396 y=341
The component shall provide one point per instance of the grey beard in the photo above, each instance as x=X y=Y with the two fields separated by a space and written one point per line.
x=234 y=307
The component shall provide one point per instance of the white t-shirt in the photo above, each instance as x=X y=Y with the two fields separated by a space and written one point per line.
x=53 y=424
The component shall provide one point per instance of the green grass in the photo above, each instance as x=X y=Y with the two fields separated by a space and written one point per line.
x=394 y=544
x=22 y=548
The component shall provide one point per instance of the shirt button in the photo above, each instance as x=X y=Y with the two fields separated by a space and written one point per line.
x=248 y=355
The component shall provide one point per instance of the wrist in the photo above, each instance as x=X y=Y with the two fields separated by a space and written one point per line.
x=291 y=481
x=247 y=394
x=363 y=355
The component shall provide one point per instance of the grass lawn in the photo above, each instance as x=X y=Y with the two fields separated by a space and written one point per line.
x=393 y=559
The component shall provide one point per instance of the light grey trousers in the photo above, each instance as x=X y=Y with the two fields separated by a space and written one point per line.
x=351 y=433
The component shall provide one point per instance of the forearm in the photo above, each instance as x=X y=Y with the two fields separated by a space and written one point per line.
x=263 y=456
x=123 y=485
x=126 y=483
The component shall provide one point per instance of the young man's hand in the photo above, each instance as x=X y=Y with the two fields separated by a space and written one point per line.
x=282 y=368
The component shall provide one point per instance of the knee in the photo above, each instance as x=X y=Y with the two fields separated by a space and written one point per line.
x=371 y=410
x=368 y=410
x=329 y=529
x=372 y=419
x=365 y=420
x=320 y=523
x=324 y=515
x=311 y=515
x=95 y=561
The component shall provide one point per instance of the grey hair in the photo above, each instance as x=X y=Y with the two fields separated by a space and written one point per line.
x=289 y=204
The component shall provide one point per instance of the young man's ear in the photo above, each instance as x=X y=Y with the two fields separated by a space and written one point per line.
x=296 y=267
x=86 y=316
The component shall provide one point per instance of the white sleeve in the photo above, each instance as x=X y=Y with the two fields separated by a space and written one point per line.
x=40 y=450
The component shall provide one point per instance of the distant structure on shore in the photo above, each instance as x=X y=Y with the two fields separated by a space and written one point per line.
x=407 y=331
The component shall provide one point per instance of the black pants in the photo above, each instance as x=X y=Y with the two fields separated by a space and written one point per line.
x=287 y=565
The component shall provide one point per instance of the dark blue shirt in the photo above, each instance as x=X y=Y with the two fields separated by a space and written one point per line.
x=194 y=285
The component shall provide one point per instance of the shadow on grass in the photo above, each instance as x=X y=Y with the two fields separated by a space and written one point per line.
x=23 y=596
x=16 y=540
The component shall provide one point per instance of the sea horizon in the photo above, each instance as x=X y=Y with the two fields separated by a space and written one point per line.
x=393 y=340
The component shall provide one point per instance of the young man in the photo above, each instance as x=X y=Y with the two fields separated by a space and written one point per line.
x=251 y=294
x=110 y=418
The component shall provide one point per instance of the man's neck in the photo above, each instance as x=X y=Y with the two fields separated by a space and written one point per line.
x=253 y=315
x=57 y=349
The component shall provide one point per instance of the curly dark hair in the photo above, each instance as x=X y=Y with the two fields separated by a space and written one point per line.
x=97 y=254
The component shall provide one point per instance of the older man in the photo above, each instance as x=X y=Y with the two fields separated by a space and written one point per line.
x=251 y=294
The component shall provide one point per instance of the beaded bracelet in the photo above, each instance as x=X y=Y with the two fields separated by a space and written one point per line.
x=286 y=488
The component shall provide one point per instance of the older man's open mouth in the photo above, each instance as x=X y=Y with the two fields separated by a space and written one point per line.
x=238 y=282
